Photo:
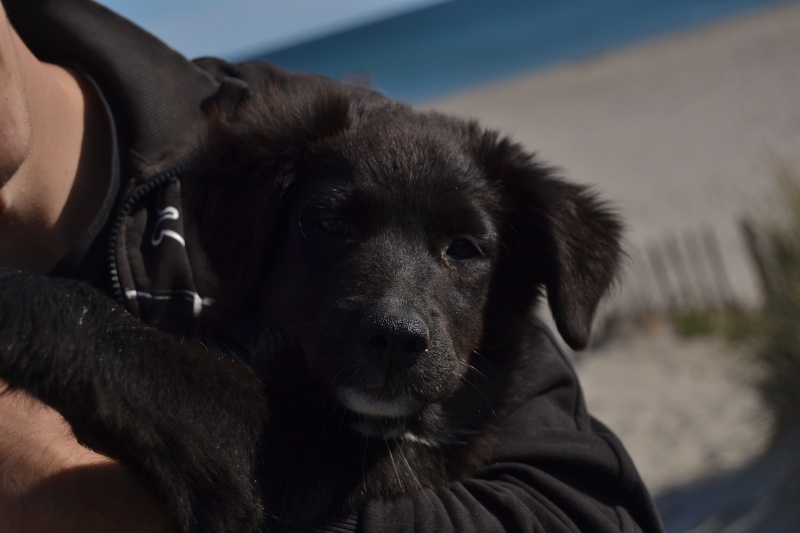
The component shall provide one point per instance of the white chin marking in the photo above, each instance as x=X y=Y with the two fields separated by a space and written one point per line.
x=367 y=404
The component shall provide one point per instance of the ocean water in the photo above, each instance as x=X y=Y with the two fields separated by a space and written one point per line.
x=464 y=43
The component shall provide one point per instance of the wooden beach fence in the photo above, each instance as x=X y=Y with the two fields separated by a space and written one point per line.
x=677 y=274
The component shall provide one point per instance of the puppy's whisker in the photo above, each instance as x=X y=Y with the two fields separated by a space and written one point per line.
x=328 y=392
x=483 y=358
x=331 y=411
x=413 y=475
x=394 y=464
x=342 y=418
x=478 y=375
x=364 y=461
x=474 y=370
x=480 y=390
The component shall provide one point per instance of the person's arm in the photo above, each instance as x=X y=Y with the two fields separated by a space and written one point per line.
x=49 y=482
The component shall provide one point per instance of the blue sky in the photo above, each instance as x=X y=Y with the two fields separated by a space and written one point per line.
x=233 y=28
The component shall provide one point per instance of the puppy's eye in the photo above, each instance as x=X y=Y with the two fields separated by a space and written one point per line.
x=463 y=249
x=333 y=226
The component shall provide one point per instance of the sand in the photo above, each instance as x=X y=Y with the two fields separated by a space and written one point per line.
x=683 y=133
x=683 y=407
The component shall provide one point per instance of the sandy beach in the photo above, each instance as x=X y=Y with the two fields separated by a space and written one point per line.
x=683 y=133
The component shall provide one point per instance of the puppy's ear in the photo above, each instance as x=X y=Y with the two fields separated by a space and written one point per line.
x=556 y=234
x=249 y=160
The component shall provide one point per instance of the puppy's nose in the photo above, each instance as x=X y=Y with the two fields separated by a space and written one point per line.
x=394 y=340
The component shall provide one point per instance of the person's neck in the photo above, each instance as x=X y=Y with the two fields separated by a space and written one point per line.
x=59 y=187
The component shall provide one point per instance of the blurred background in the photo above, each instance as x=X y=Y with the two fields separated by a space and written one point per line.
x=686 y=116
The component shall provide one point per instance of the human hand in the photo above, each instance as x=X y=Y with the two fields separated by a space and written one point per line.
x=49 y=482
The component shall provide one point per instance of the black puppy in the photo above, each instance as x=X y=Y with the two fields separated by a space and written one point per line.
x=380 y=263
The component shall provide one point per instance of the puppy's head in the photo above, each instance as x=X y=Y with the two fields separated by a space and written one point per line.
x=384 y=243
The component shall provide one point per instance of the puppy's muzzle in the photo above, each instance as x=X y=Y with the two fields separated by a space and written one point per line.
x=394 y=340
